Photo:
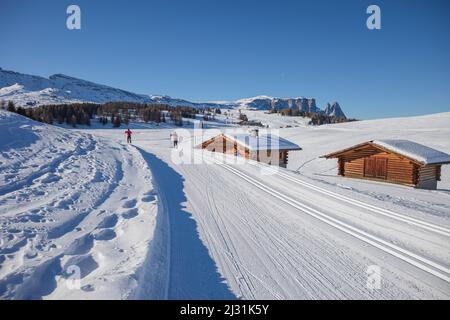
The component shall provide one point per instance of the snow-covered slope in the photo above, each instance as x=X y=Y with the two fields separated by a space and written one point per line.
x=34 y=90
x=71 y=204
x=29 y=90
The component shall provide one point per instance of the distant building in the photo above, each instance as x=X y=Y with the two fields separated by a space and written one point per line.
x=269 y=149
x=397 y=161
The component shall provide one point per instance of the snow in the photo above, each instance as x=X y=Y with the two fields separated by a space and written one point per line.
x=268 y=120
x=263 y=142
x=69 y=198
x=415 y=151
x=142 y=225
x=28 y=90
x=303 y=234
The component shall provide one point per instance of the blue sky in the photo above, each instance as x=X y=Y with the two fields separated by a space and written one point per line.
x=228 y=49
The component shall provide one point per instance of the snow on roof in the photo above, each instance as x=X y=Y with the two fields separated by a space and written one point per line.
x=263 y=142
x=414 y=151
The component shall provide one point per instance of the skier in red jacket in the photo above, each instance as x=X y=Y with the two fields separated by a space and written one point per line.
x=128 y=133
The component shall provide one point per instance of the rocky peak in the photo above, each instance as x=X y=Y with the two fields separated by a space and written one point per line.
x=334 y=110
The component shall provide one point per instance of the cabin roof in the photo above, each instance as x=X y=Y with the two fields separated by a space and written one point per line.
x=415 y=151
x=263 y=142
x=412 y=150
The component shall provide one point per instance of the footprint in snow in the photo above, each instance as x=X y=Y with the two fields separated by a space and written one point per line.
x=130 y=213
x=31 y=254
x=50 y=178
x=36 y=218
x=88 y=288
x=105 y=235
x=81 y=245
x=148 y=198
x=85 y=264
x=64 y=204
x=129 y=204
x=108 y=222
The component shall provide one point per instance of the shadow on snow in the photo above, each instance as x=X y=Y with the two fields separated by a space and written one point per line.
x=193 y=273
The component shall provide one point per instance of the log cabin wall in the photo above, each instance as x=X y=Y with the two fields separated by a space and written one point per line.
x=223 y=144
x=219 y=144
x=242 y=151
x=283 y=158
x=398 y=170
x=226 y=145
x=272 y=157
x=428 y=176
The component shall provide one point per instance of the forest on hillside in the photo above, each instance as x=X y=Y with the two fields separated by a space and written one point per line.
x=113 y=113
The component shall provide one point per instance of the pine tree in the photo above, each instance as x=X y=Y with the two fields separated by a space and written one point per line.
x=21 y=111
x=11 y=107
x=73 y=121
x=117 y=122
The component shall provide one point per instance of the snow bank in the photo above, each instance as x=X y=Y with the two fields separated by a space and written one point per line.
x=72 y=206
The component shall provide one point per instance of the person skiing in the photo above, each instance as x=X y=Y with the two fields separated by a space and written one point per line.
x=174 y=138
x=128 y=133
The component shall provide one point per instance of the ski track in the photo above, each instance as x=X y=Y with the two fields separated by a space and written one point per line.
x=424 y=264
x=388 y=213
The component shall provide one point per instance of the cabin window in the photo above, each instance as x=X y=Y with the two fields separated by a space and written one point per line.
x=375 y=167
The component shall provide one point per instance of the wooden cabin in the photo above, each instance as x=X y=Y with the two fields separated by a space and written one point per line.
x=396 y=161
x=269 y=149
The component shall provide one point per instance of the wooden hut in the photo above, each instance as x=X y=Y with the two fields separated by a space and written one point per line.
x=396 y=161
x=269 y=149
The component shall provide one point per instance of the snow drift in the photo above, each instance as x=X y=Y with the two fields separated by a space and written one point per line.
x=71 y=205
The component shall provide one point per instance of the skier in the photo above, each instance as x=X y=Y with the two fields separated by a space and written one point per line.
x=128 y=133
x=174 y=138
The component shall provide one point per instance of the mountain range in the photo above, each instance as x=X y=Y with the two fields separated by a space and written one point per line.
x=29 y=90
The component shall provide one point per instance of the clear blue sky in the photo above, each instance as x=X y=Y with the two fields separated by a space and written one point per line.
x=228 y=49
